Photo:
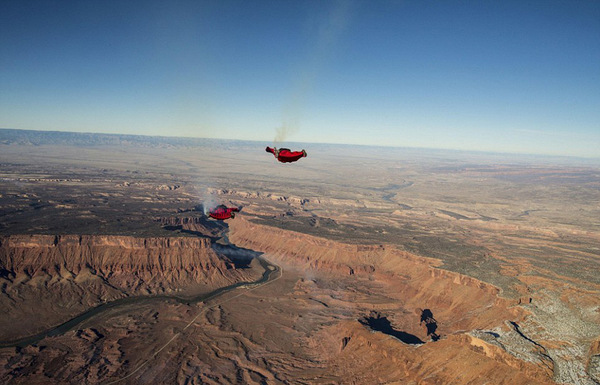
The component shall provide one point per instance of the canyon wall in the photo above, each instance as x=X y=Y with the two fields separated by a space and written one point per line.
x=461 y=305
x=417 y=282
x=46 y=279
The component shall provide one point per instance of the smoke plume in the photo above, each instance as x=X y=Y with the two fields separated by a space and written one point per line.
x=329 y=30
x=207 y=199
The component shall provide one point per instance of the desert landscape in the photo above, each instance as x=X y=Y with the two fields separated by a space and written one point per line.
x=354 y=265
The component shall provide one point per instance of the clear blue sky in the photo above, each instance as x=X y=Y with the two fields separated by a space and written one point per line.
x=507 y=76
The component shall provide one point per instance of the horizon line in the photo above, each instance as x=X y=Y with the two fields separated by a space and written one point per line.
x=319 y=143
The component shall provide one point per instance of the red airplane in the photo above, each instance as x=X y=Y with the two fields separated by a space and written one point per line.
x=285 y=155
x=222 y=212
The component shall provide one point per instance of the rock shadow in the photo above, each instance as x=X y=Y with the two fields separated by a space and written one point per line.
x=239 y=256
x=430 y=324
x=379 y=323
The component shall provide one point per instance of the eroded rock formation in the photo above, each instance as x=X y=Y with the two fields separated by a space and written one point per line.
x=465 y=302
x=46 y=279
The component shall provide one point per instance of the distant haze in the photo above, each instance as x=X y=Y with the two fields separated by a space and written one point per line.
x=486 y=76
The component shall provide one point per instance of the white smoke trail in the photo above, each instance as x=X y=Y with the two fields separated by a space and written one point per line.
x=328 y=33
x=207 y=199
x=285 y=130
x=209 y=204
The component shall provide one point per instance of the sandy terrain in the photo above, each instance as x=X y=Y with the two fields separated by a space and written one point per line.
x=504 y=251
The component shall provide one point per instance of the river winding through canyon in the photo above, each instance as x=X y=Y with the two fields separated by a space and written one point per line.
x=269 y=275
